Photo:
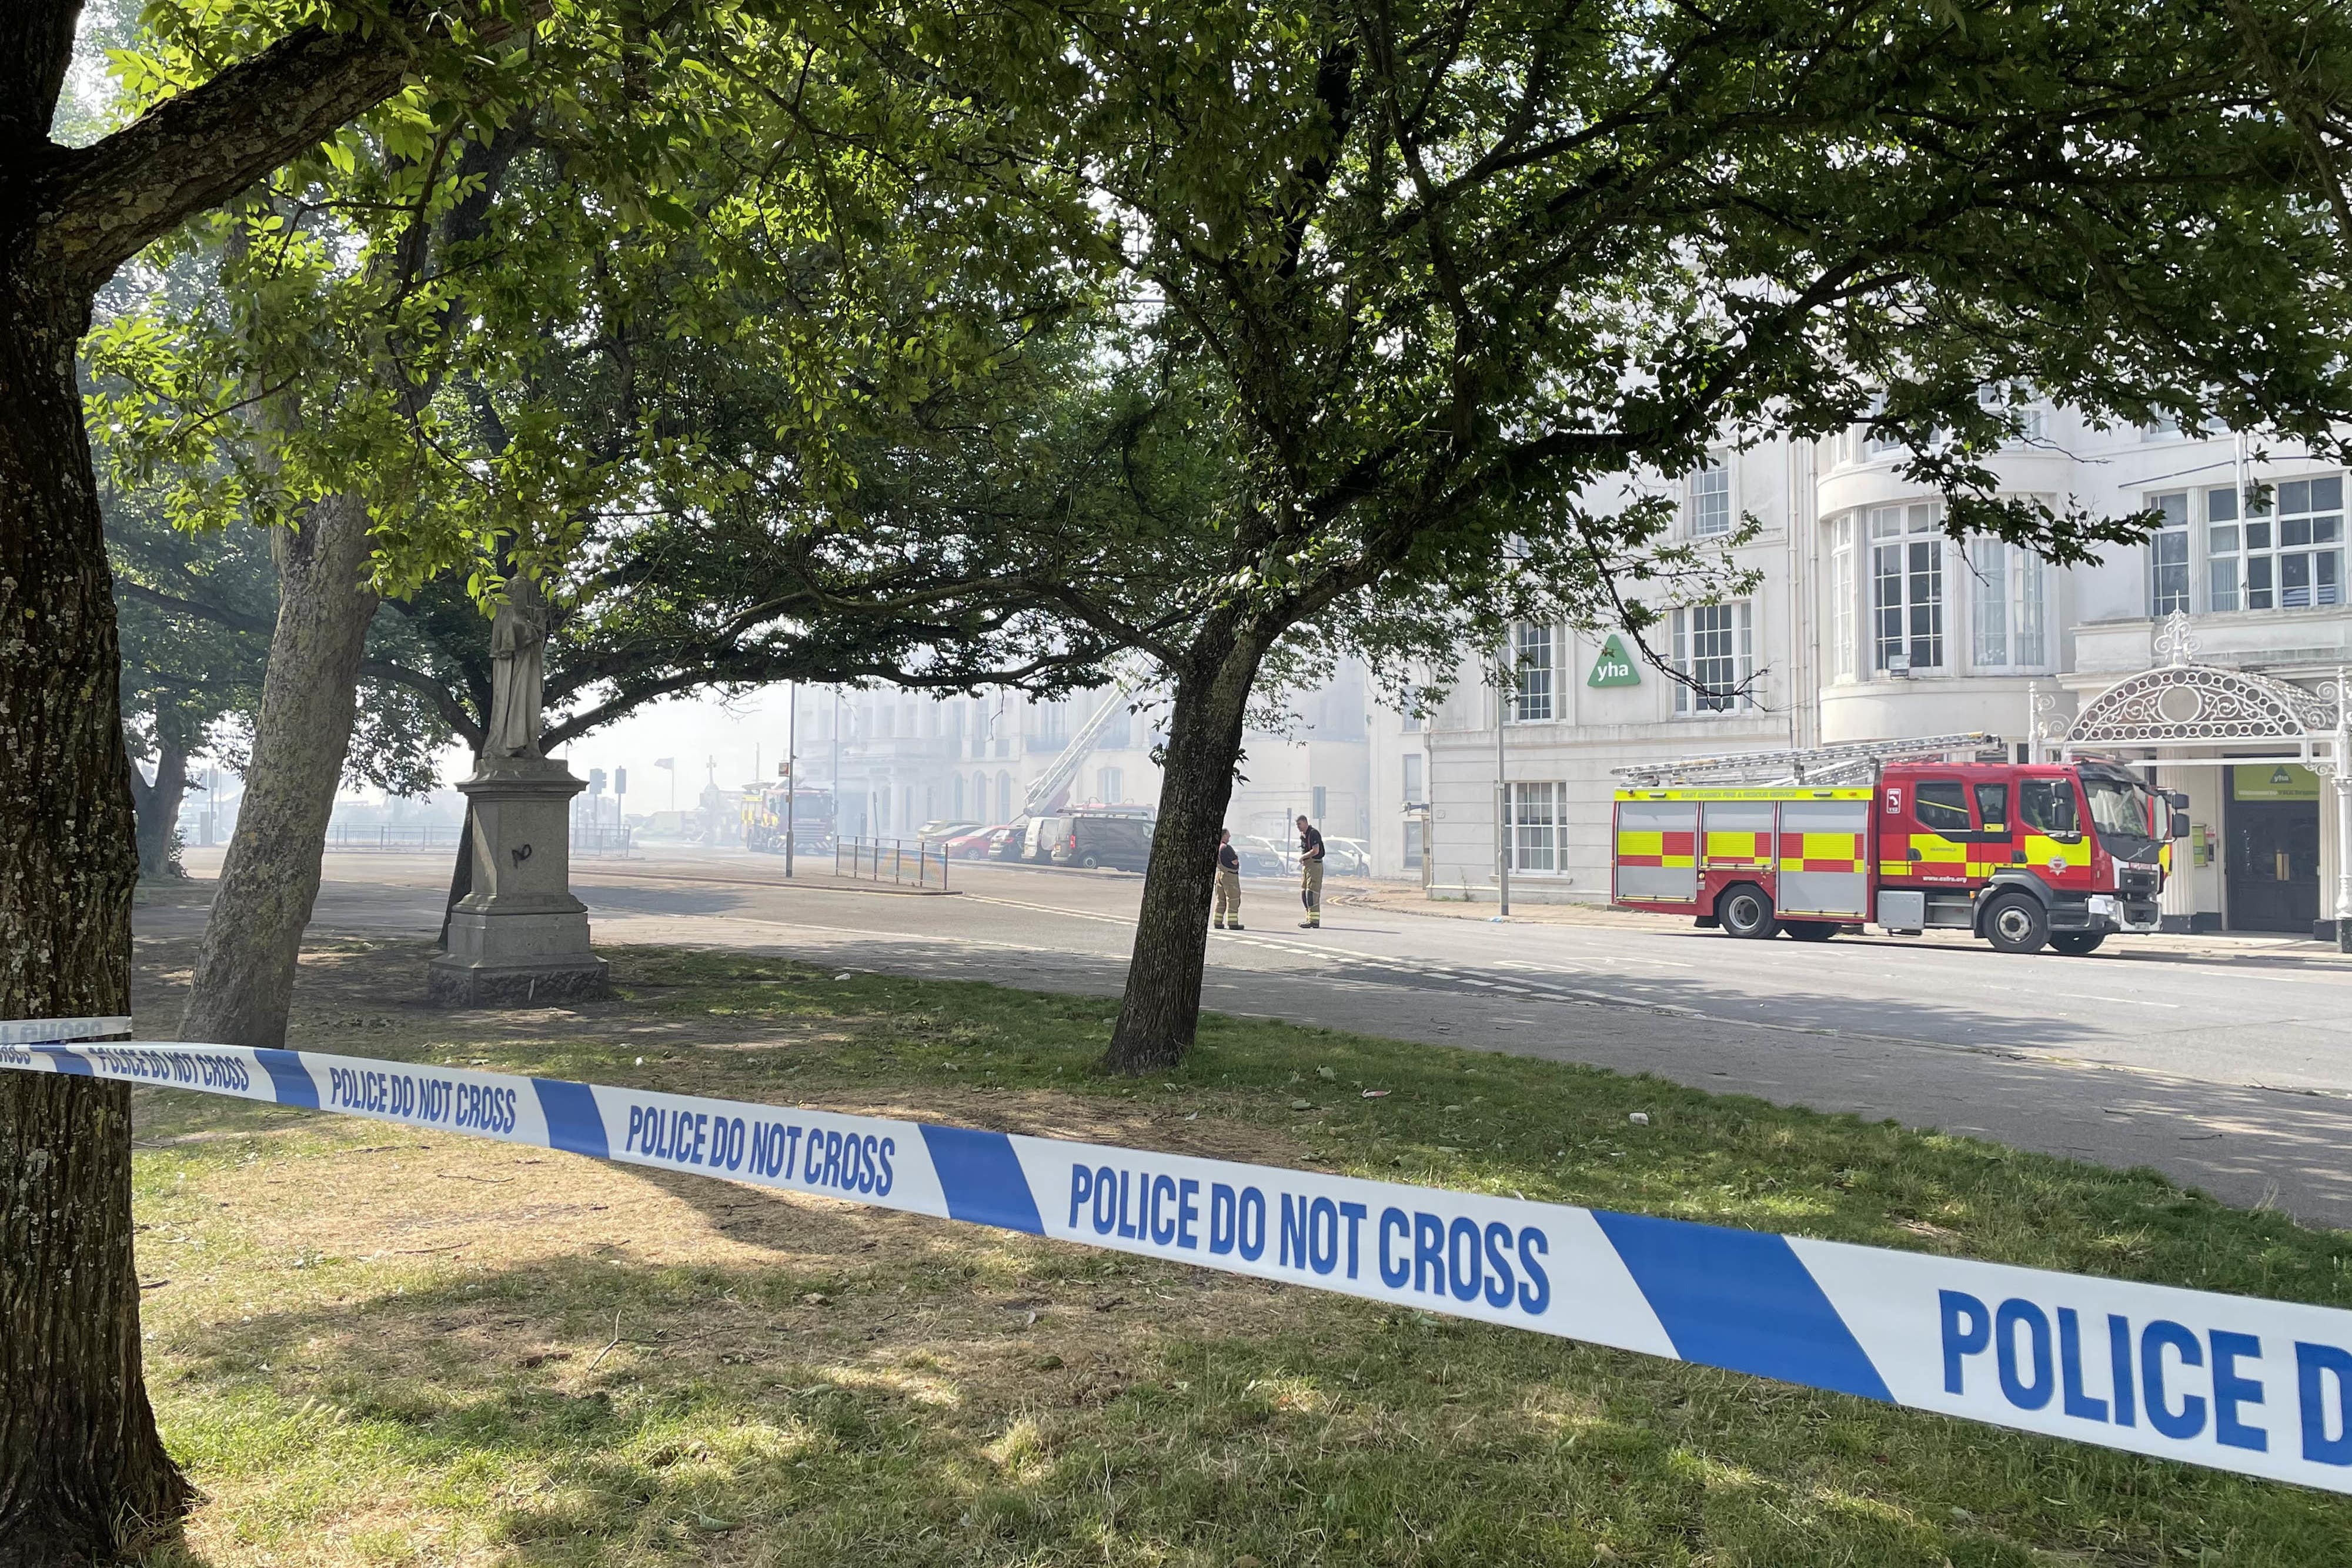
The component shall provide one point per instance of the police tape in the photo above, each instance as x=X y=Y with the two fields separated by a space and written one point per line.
x=2258 y=1386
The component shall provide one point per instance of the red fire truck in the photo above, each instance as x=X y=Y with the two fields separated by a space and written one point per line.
x=1903 y=833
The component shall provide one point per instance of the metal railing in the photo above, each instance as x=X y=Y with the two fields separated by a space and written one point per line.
x=604 y=839
x=385 y=839
x=902 y=861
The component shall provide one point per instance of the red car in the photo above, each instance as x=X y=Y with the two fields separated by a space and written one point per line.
x=973 y=845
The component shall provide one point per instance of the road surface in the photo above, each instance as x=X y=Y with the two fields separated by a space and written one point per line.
x=2225 y=1064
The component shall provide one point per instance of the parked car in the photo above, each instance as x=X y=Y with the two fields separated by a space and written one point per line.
x=939 y=828
x=1123 y=844
x=1347 y=857
x=973 y=845
x=1263 y=857
x=1008 y=844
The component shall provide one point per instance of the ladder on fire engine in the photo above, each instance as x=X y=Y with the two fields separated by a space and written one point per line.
x=1063 y=772
x=1825 y=767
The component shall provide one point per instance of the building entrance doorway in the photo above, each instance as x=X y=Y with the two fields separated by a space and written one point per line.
x=2273 y=862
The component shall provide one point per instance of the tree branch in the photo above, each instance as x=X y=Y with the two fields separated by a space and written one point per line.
x=99 y=205
x=453 y=711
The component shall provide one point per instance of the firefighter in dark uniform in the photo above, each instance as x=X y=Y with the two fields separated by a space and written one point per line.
x=1310 y=874
x=1229 y=882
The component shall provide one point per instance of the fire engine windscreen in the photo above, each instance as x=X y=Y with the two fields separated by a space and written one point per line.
x=2124 y=811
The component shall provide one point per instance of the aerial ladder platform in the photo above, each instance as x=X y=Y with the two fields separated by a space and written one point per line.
x=1825 y=767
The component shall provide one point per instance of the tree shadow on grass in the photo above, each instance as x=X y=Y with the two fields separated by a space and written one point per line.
x=739 y=1420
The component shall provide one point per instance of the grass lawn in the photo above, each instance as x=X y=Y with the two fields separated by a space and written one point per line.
x=374 y=1345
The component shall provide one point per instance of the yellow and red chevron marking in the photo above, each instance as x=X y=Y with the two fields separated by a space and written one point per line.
x=1739 y=848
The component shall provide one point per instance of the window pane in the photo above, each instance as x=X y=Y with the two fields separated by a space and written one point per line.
x=2328 y=494
x=1886 y=567
x=2294 y=581
x=1535 y=816
x=1927 y=604
x=2169 y=555
x=1992 y=807
x=2030 y=649
x=1989 y=574
x=2221 y=587
x=2222 y=505
x=2047 y=806
x=1710 y=495
x=1941 y=805
x=1534 y=647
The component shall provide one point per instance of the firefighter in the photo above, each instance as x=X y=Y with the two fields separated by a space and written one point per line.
x=1229 y=882
x=1310 y=874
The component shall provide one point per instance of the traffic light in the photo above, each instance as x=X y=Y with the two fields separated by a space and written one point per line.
x=620 y=780
x=595 y=781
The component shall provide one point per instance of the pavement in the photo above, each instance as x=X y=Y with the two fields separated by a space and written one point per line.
x=2224 y=1062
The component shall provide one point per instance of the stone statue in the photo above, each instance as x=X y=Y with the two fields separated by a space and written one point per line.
x=518 y=642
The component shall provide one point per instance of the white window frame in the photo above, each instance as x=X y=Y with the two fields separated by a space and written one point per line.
x=1714 y=645
x=2034 y=418
x=2167 y=554
x=1707 y=511
x=2009 y=616
x=1913 y=536
x=1415 y=778
x=1534 y=673
x=1538 y=826
x=2303 y=523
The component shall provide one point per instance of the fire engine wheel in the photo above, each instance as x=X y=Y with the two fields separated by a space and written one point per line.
x=2077 y=943
x=1809 y=930
x=1745 y=910
x=2017 y=924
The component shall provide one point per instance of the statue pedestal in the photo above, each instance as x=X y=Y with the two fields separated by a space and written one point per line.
x=519 y=938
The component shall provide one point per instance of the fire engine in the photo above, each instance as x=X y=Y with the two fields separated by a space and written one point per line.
x=1938 y=833
x=812 y=809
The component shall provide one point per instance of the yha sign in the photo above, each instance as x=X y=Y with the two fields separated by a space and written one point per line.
x=1614 y=667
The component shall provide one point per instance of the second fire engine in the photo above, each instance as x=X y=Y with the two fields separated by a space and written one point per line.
x=2025 y=855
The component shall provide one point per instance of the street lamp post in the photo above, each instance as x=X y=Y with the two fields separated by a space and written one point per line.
x=791 y=770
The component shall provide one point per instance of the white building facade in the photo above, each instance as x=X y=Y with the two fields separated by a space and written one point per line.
x=900 y=758
x=2211 y=654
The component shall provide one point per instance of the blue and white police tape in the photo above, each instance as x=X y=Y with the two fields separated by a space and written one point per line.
x=2259 y=1386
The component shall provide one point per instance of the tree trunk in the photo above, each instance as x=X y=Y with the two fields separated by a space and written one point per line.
x=269 y=879
x=1161 y=1010
x=83 y=1474
x=157 y=806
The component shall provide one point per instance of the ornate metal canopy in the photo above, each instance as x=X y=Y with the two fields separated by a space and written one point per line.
x=2178 y=703
x=2182 y=702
